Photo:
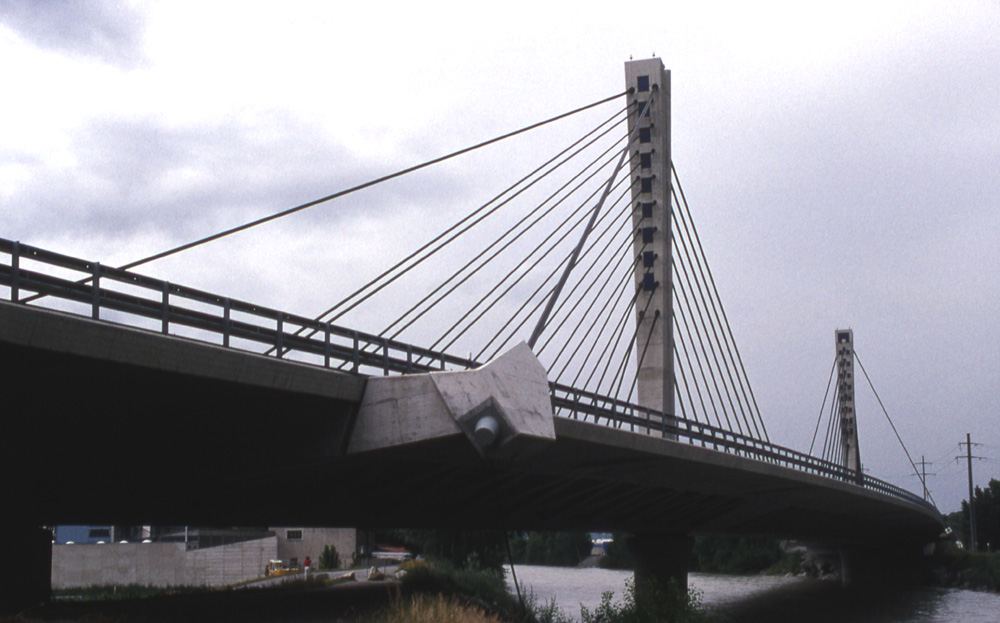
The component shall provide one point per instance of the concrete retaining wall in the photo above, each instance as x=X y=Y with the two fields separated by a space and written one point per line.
x=159 y=564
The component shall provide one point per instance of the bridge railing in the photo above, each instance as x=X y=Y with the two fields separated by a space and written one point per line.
x=103 y=292
x=71 y=284
x=579 y=404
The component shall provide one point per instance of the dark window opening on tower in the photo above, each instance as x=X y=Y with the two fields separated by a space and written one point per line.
x=645 y=136
x=643 y=83
x=648 y=283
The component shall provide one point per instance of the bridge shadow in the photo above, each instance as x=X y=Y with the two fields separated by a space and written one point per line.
x=343 y=603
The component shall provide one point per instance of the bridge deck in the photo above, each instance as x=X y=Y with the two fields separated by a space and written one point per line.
x=109 y=423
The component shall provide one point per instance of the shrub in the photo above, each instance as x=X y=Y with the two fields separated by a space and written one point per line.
x=649 y=602
x=329 y=558
x=431 y=609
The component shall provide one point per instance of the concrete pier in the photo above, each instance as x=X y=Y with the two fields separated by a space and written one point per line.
x=662 y=557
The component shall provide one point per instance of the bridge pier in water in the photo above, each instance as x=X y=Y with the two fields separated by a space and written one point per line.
x=661 y=556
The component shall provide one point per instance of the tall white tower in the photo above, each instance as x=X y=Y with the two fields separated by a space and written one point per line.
x=845 y=391
x=651 y=195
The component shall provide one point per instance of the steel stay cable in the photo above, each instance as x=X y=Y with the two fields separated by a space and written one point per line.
x=682 y=297
x=385 y=178
x=615 y=331
x=537 y=220
x=591 y=326
x=702 y=260
x=620 y=373
x=687 y=385
x=710 y=325
x=522 y=307
x=622 y=255
x=603 y=249
x=579 y=210
x=610 y=308
x=543 y=320
x=686 y=298
x=473 y=216
x=677 y=392
x=823 y=406
x=870 y=384
x=591 y=283
x=620 y=330
x=623 y=252
x=461 y=222
x=642 y=358
x=507 y=233
x=831 y=425
x=721 y=308
x=551 y=276
x=509 y=287
x=552 y=247
x=547 y=252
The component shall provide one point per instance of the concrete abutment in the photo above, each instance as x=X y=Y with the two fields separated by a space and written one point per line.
x=27 y=567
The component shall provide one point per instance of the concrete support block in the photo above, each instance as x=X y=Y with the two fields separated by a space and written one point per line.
x=661 y=556
x=502 y=409
x=28 y=567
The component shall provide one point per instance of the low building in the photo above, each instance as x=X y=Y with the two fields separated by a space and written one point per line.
x=193 y=557
x=295 y=544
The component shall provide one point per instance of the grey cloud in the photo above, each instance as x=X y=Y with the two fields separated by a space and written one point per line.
x=141 y=174
x=109 y=31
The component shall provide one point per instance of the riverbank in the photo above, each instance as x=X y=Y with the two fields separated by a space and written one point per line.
x=959 y=569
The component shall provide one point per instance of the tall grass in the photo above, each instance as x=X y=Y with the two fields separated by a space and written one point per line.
x=421 y=608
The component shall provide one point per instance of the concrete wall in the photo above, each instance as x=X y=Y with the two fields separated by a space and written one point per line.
x=312 y=543
x=159 y=564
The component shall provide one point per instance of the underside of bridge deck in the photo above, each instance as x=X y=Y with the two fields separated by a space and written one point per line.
x=182 y=439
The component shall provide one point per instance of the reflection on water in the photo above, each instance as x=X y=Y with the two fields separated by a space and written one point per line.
x=769 y=598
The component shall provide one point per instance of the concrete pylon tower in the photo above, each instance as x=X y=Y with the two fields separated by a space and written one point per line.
x=648 y=81
x=845 y=391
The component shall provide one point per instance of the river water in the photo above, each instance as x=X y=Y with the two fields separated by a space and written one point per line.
x=772 y=599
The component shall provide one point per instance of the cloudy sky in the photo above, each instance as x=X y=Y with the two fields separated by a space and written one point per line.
x=842 y=161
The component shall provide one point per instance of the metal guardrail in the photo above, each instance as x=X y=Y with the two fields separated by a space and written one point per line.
x=124 y=297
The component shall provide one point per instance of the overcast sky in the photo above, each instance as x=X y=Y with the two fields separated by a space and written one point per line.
x=842 y=161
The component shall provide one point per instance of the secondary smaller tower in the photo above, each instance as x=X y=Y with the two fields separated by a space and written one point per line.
x=845 y=393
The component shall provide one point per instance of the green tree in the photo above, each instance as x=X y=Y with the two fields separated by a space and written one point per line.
x=464 y=549
x=329 y=558
x=987 y=504
x=560 y=549
x=720 y=554
x=617 y=554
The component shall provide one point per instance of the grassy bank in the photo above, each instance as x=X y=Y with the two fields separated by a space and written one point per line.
x=962 y=569
x=451 y=594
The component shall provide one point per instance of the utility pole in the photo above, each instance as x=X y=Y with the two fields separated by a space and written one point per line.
x=923 y=474
x=972 y=508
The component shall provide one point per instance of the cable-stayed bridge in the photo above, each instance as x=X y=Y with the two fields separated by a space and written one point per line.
x=558 y=358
